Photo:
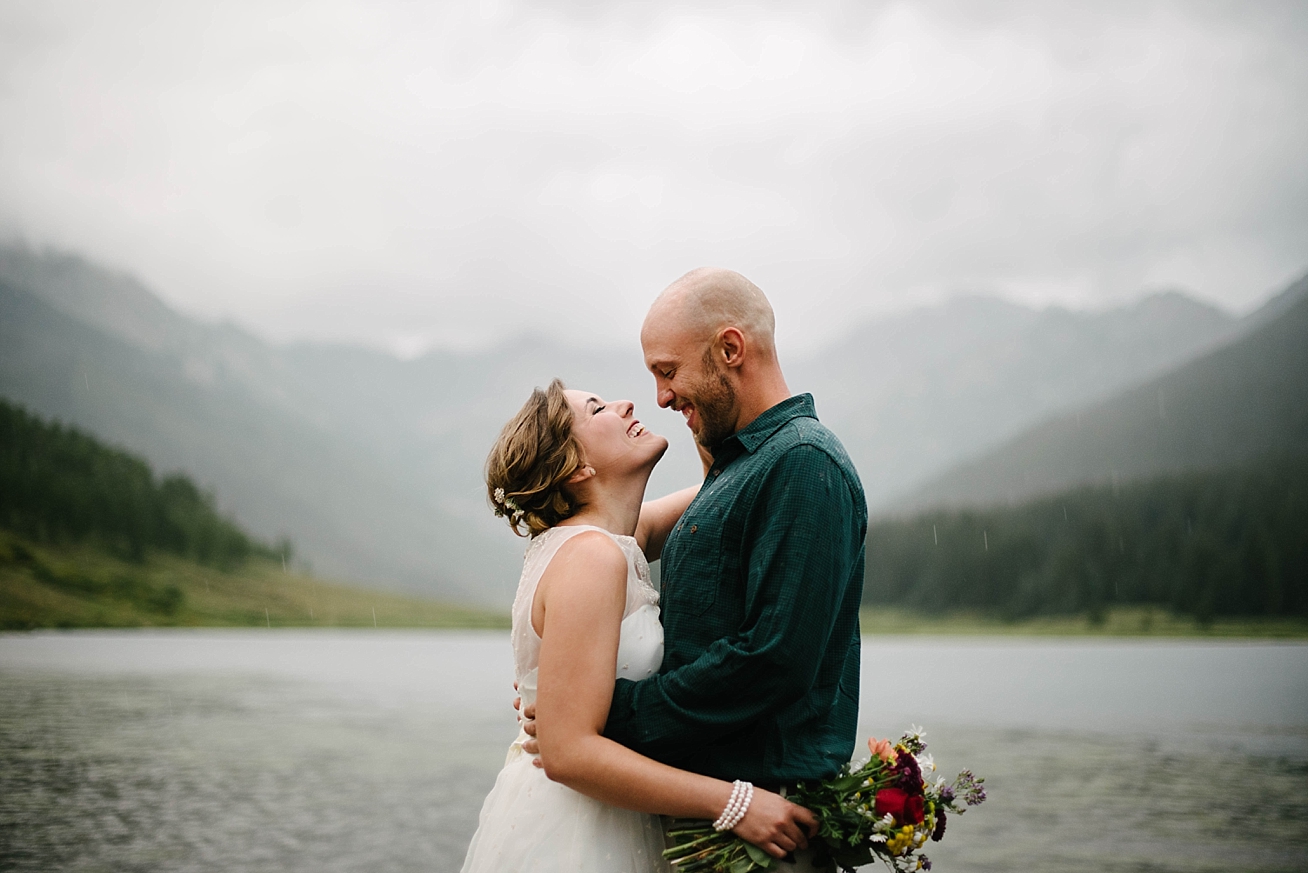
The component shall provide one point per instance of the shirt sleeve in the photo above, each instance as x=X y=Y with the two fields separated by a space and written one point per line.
x=803 y=529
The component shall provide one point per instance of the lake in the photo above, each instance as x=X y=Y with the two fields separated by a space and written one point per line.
x=371 y=750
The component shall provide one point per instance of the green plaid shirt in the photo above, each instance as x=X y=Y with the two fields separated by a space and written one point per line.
x=761 y=582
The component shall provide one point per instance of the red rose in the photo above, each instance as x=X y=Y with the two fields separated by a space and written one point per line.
x=906 y=809
x=891 y=800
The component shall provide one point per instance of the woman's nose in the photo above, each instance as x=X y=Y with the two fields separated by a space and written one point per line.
x=627 y=407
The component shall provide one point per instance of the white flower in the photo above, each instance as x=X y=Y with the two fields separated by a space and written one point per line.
x=499 y=495
x=917 y=732
x=926 y=762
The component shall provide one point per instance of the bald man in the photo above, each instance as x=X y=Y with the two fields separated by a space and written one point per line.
x=762 y=576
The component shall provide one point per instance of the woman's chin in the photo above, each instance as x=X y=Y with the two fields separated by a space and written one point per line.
x=660 y=447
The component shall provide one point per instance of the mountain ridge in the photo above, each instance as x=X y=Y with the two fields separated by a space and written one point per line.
x=1242 y=399
x=372 y=463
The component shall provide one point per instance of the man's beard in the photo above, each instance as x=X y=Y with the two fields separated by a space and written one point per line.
x=715 y=404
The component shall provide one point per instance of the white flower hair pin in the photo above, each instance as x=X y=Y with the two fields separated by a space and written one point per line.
x=511 y=509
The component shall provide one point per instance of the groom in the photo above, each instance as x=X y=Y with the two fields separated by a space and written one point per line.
x=763 y=575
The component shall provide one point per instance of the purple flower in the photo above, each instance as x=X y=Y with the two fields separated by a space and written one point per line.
x=947 y=794
x=910 y=774
x=970 y=788
x=939 y=832
x=926 y=862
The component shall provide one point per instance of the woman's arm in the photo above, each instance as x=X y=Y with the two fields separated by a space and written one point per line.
x=578 y=614
x=658 y=517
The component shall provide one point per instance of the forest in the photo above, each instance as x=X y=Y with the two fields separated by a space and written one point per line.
x=60 y=486
x=1223 y=543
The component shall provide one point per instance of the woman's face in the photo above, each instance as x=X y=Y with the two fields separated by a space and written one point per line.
x=612 y=440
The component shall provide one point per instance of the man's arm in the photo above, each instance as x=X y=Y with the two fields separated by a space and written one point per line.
x=804 y=533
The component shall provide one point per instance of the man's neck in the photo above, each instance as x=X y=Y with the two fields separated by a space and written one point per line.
x=768 y=393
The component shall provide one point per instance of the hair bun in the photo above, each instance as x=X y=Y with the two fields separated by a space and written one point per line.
x=529 y=465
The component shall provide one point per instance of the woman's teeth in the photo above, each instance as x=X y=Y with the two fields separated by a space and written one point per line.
x=636 y=430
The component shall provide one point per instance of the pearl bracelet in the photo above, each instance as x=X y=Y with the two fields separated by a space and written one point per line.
x=742 y=794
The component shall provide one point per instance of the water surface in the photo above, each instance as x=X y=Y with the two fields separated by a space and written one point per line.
x=371 y=750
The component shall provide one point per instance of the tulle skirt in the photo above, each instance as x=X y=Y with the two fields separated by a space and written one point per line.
x=529 y=823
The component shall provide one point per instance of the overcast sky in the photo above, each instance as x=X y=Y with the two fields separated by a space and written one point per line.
x=414 y=174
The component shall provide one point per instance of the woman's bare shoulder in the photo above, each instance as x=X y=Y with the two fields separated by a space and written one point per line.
x=590 y=557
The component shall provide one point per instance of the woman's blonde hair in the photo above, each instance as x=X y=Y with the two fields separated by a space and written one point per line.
x=531 y=461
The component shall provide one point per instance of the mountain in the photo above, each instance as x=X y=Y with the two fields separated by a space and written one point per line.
x=912 y=394
x=1244 y=400
x=218 y=403
x=62 y=487
x=372 y=465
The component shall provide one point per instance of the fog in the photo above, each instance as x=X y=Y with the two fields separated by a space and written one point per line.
x=416 y=175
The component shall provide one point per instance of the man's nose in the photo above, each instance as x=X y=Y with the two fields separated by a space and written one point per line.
x=665 y=397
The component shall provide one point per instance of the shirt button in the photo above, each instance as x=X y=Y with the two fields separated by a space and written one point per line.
x=717 y=472
x=694 y=527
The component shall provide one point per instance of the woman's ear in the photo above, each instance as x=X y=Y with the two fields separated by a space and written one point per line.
x=583 y=473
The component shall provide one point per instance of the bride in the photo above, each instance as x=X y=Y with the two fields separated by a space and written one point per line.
x=570 y=470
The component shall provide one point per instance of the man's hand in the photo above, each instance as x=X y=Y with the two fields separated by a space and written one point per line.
x=776 y=825
x=531 y=746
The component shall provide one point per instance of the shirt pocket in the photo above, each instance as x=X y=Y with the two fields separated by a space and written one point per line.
x=699 y=569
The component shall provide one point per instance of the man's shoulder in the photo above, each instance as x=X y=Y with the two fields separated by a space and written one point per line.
x=811 y=433
x=804 y=436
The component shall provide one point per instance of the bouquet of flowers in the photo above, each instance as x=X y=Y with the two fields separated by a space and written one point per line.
x=883 y=809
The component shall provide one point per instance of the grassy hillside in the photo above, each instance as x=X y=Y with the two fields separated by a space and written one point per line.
x=60 y=485
x=83 y=586
x=223 y=405
x=1247 y=399
x=1231 y=543
x=89 y=537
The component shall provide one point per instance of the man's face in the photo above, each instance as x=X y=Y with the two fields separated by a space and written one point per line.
x=689 y=379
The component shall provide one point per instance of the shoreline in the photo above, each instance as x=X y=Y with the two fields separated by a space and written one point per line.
x=1122 y=622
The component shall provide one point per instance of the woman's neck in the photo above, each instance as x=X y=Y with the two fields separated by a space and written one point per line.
x=614 y=506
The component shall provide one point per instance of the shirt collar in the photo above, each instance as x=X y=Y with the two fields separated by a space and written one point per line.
x=757 y=431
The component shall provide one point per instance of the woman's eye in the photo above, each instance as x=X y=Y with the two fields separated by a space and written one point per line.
x=599 y=409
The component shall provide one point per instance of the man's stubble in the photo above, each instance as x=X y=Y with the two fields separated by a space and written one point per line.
x=715 y=403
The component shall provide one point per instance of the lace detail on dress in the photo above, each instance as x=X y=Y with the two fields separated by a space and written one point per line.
x=540 y=551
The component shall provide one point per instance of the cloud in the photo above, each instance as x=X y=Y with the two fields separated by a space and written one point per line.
x=406 y=174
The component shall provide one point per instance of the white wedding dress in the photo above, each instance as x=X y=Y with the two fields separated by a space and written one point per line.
x=529 y=823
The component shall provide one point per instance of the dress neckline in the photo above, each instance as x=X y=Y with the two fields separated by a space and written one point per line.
x=594 y=527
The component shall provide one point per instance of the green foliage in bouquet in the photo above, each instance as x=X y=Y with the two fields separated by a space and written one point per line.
x=882 y=809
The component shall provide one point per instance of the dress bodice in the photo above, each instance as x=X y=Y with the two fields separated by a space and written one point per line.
x=640 y=645
x=532 y=824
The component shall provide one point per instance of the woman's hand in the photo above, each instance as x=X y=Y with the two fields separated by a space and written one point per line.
x=776 y=825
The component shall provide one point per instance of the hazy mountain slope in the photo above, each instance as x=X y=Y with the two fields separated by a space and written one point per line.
x=1244 y=400
x=911 y=394
x=272 y=467
x=373 y=464
x=434 y=418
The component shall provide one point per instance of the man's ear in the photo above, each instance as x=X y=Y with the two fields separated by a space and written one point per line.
x=731 y=345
